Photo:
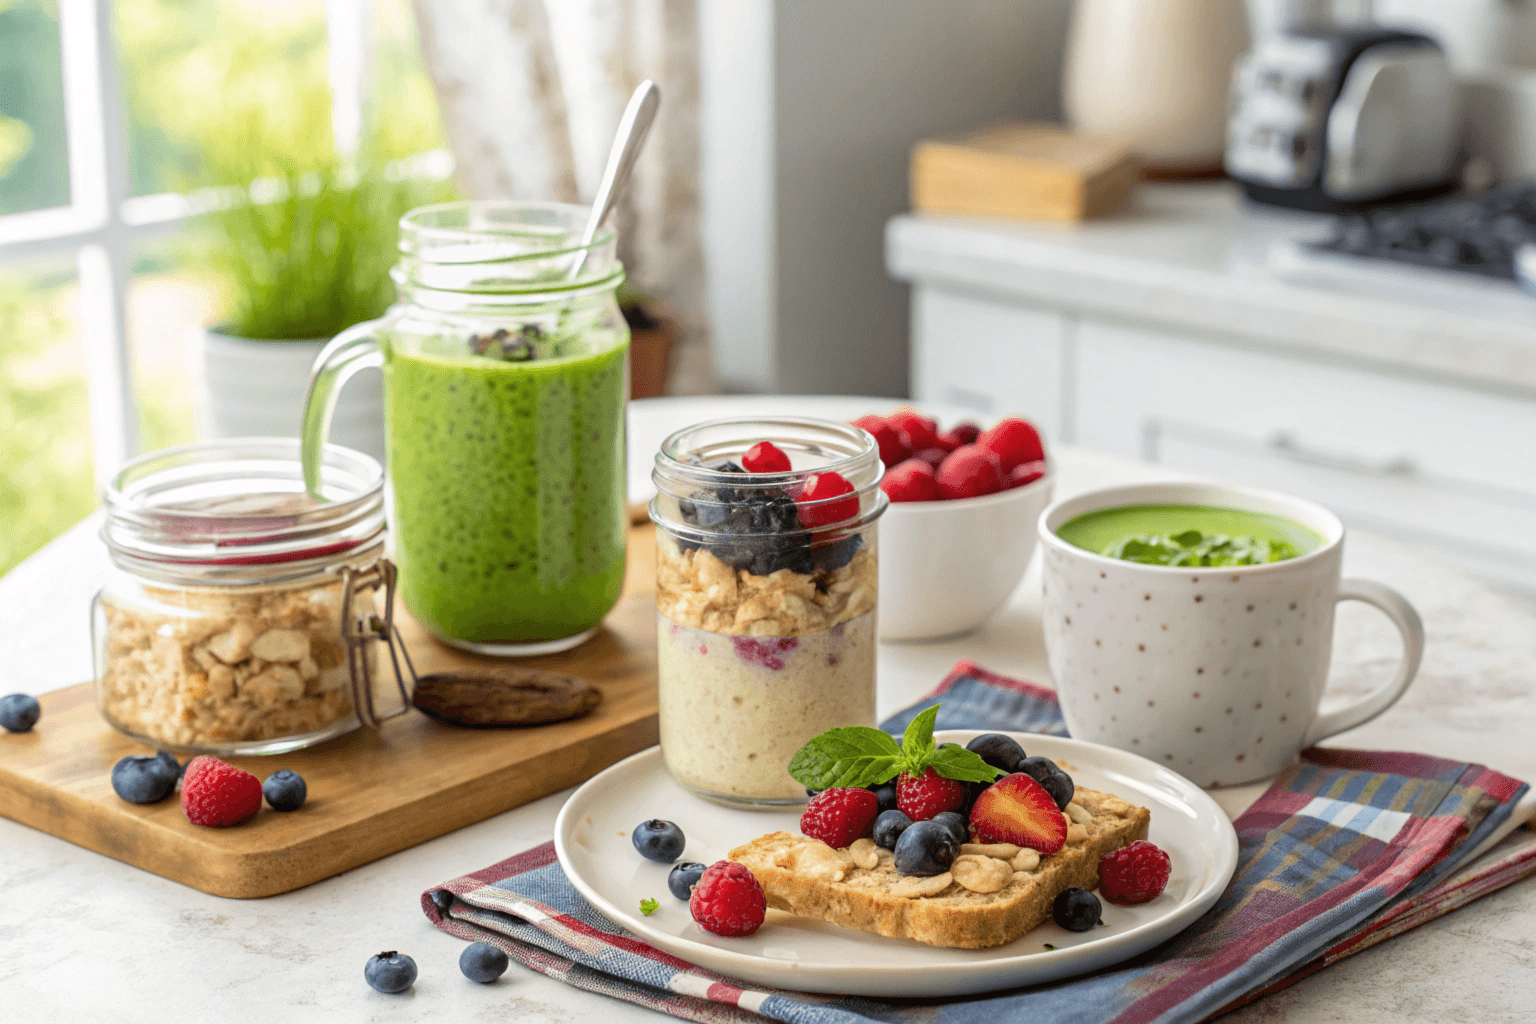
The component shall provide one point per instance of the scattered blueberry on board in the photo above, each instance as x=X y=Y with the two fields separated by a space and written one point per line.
x=1076 y=909
x=144 y=780
x=959 y=829
x=390 y=972
x=285 y=790
x=658 y=840
x=169 y=760
x=683 y=878
x=925 y=849
x=482 y=962
x=888 y=828
x=19 y=712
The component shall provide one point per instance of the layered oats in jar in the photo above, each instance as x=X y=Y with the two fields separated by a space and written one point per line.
x=766 y=584
x=223 y=626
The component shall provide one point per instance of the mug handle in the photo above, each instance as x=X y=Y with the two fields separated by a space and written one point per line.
x=1396 y=608
x=352 y=350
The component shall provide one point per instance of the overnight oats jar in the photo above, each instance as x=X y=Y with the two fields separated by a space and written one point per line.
x=241 y=615
x=766 y=586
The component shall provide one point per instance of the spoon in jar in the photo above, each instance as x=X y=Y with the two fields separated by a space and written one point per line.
x=627 y=143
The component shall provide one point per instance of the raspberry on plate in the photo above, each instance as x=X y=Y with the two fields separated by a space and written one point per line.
x=1137 y=873
x=913 y=480
x=1014 y=442
x=813 y=507
x=1024 y=473
x=839 y=816
x=969 y=472
x=921 y=797
x=218 y=795
x=917 y=431
x=765 y=457
x=728 y=900
x=892 y=450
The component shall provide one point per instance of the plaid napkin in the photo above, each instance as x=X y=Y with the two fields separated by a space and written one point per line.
x=1344 y=850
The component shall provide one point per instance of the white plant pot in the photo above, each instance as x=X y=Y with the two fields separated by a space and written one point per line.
x=256 y=388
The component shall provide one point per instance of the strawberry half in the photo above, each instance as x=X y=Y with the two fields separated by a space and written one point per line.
x=839 y=816
x=922 y=796
x=1017 y=809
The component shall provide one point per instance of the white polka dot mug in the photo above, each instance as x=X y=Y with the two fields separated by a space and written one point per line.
x=1218 y=673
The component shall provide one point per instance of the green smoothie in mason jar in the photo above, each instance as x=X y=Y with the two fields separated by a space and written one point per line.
x=504 y=392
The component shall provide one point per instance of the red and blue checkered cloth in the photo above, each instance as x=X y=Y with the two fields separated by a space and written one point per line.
x=1345 y=849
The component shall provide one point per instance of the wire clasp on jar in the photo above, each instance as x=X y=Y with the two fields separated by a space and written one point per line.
x=360 y=628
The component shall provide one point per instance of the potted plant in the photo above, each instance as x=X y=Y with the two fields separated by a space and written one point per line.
x=652 y=337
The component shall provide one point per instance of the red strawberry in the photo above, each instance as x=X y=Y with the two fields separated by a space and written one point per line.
x=818 y=488
x=958 y=436
x=917 y=432
x=1017 y=809
x=1027 y=473
x=913 y=480
x=1137 y=873
x=839 y=816
x=892 y=450
x=969 y=472
x=923 y=796
x=763 y=457
x=217 y=794
x=1014 y=442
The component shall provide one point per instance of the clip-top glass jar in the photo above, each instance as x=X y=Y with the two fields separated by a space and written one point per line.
x=242 y=616
x=766 y=585
x=505 y=376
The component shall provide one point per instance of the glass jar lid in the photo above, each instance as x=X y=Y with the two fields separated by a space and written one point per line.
x=235 y=512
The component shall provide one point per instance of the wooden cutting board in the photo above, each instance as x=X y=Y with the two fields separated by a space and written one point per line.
x=370 y=794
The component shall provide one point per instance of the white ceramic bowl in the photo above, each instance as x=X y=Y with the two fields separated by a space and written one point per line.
x=946 y=566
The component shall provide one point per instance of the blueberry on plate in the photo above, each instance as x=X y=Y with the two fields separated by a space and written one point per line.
x=390 y=972
x=482 y=962
x=1076 y=909
x=1061 y=787
x=926 y=848
x=658 y=840
x=888 y=828
x=1037 y=767
x=683 y=878
x=885 y=792
x=143 y=780
x=958 y=828
x=19 y=712
x=998 y=750
x=285 y=790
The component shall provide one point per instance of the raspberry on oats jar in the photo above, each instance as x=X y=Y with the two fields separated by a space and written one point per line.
x=221 y=627
x=766 y=567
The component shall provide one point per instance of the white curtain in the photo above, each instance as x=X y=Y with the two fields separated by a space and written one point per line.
x=531 y=91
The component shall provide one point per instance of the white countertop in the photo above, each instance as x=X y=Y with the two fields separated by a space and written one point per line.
x=1197 y=260
x=85 y=936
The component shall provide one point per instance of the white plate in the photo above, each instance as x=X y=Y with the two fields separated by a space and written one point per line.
x=592 y=840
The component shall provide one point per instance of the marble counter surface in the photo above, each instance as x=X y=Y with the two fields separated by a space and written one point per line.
x=82 y=936
x=1198 y=261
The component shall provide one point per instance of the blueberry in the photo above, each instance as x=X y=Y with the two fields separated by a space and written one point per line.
x=1061 y=788
x=285 y=790
x=19 y=712
x=998 y=750
x=390 y=972
x=836 y=554
x=143 y=780
x=482 y=962
x=885 y=792
x=809 y=792
x=958 y=828
x=169 y=760
x=888 y=828
x=1076 y=910
x=683 y=878
x=926 y=848
x=1037 y=768
x=659 y=840
x=972 y=791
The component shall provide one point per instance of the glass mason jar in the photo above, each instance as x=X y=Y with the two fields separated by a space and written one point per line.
x=505 y=379
x=765 y=601
x=241 y=616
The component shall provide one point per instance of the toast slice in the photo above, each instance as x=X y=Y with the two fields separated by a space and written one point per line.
x=798 y=878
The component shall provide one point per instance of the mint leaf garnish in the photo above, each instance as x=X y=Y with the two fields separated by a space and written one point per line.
x=649 y=907
x=955 y=762
x=917 y=741
x=857 y=756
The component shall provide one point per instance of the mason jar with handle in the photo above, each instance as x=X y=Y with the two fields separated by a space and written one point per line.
x=505 y=381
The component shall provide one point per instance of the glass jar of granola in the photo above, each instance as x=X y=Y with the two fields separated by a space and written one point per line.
x=241 y=615
x=766 y=563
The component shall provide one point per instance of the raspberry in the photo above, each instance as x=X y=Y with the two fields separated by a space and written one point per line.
x=1135 y=874
x=934 y=456
x=1014 y=442
x=958 y=436
x=930 y=793
x=1026 y=473
x=763 y=457
x=892 y=450
x=917 y=432
x=818 y=488
x=969 y=472
x=728 y=900
x=217 y=794
x=839 y=816
x=913 y=480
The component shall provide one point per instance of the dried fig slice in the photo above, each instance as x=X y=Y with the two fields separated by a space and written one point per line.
x=493 y=698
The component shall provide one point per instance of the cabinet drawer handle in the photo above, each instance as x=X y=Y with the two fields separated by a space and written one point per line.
x=1284 y=442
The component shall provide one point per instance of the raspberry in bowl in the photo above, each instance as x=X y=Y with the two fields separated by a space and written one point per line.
x=960 y=531
x=766 y=586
